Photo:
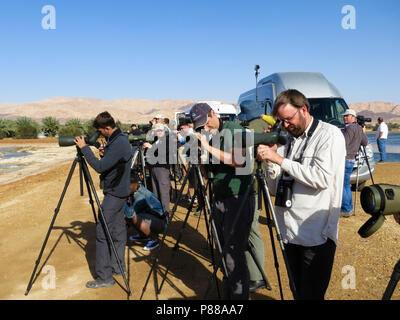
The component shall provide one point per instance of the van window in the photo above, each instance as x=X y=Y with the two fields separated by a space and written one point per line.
x=328 y=110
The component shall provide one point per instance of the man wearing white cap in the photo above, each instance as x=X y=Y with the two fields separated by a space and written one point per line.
x=354 y=135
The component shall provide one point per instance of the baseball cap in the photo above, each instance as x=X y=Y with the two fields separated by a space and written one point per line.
x=199 y=113
x=350 y=111
x=159 y=116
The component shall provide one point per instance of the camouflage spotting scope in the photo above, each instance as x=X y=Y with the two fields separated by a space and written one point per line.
x=379 y=200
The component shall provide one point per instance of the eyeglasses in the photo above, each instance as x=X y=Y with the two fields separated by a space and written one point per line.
x=291 y=118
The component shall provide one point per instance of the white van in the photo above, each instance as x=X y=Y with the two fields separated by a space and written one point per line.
x=226 y=110
x=326 y=104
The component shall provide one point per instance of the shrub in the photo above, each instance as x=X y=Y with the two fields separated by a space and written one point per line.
x=26 y=128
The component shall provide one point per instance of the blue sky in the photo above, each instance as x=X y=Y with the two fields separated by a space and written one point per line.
x=194 y=49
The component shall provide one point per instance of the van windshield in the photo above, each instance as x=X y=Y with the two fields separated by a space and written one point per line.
x=328 y=110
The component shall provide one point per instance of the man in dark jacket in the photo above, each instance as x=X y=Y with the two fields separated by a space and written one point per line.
x=114 y=167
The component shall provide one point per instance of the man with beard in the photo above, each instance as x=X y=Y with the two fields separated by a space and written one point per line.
x=310 y=167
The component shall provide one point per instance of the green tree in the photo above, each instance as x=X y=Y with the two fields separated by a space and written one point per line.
x=50 y=126
x=73 y=127
x=88 y=127
x=26 y=128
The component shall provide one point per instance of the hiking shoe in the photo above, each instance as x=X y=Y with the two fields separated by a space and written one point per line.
x=99 y=284
x=151 y=245
x=138 y=237
x=197 y=212
x=347 y=214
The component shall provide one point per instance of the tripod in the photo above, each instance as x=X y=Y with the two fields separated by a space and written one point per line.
x=264 y=193
x=365 y=157
x=91 y=189
x=394 y=279
x=138 y=159
x=203 y=192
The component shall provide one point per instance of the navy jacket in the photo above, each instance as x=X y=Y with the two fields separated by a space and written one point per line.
x=115 y=166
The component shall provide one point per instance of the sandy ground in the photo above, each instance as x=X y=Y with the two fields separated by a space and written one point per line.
x=361 y=271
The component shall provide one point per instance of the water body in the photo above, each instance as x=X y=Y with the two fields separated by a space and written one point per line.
x=9 y=153
x=392 y=146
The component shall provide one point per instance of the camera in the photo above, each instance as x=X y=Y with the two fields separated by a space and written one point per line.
x=284 y=192
x=361 y=120
x=184 y=120
x=378 y=200
x=145 y=127
x=67 y=141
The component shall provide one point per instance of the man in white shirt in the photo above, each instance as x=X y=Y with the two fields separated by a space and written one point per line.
x=381 y=138
x=311 y=165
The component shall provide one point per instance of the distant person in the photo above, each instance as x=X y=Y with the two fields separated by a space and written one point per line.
x=381 y=138
x=158 y=159
x=354 y=136
x=159 y=118
x=135 y=130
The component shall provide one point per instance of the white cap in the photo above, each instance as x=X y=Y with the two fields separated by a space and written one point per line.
x=159 y=116
x=349 y=111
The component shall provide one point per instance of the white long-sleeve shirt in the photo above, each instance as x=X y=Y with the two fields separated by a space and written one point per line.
x=318 y=186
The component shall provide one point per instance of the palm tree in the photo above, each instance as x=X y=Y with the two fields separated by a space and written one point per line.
x=50 y=126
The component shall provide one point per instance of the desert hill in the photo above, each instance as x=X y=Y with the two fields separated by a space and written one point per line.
x=64 y=108
x=141 y=111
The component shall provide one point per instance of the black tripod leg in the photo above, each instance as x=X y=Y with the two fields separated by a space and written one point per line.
x=185 y=179
x=207 y=208
x=142 y=163
x=105 y=226
x=80 y=178
x=176 y=246
x=271 y=235
x=90 y=197
x=394 y=279
x=232 y=231
x=268 y=204
x=57 y=209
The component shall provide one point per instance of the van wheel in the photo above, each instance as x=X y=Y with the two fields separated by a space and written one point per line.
x=361 y=185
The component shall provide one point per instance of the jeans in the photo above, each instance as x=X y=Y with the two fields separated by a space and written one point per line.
x=347 y=199
x=382 y=148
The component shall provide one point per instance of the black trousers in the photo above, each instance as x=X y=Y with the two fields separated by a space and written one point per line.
x=113 y=210
x=311 y=268
x=236 y=286
x=161 y=185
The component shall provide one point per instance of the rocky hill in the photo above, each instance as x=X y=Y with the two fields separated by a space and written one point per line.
x=141 y=111
x=389 y=111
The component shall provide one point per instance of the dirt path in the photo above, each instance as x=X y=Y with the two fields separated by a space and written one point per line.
x=27 y=207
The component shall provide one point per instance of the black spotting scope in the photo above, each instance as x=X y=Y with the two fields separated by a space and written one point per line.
x=67 y=141
x=379 y=200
